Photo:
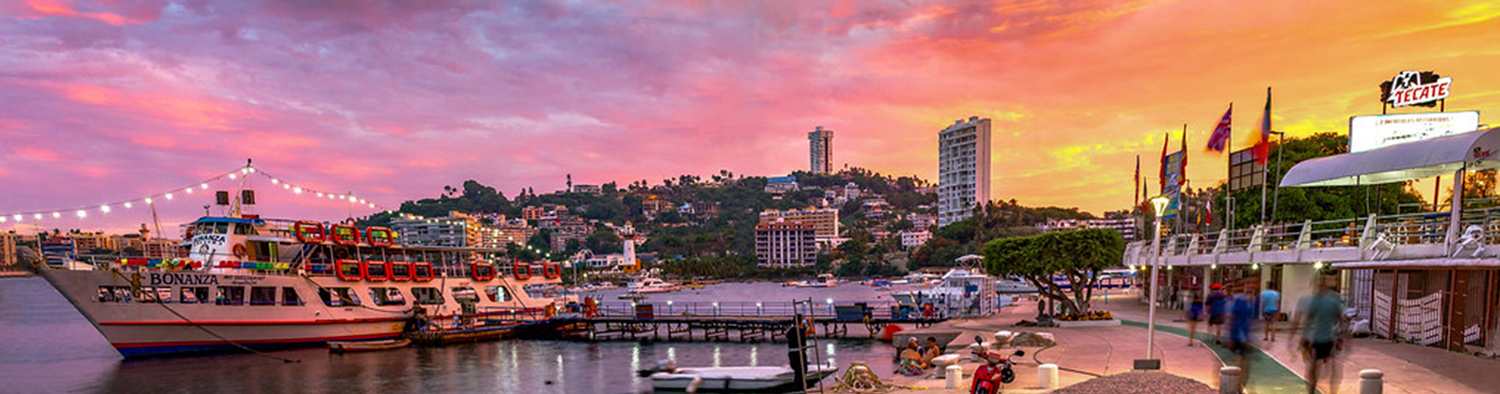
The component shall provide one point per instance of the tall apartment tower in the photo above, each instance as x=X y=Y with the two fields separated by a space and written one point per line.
x=821 y=143
x=963 y=169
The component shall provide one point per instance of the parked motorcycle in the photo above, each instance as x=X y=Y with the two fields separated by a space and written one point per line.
x=996 y=371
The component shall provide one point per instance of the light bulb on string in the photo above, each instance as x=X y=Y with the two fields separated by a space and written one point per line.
x=320 y=194
x=56 y=215
x=286 y=186
x=275 y=181
x=188 y=190
x=83 y=213
x=231 y=177
x=169 y=196
x=148 y=200
x=17 y=218
x=203 y=186
x=251 y=169
x=2 y=219
x=128 y=205
x=297 y=190
x=104 y=208
x=37 y=217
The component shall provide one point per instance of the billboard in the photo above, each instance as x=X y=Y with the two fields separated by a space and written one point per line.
x=1172 y=187
x=1379 y=131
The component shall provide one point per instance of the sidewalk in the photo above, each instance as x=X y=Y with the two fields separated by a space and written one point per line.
x=1081 y=353
x=1408 y=368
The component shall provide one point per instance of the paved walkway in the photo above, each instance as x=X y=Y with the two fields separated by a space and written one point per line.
x=1408 y=368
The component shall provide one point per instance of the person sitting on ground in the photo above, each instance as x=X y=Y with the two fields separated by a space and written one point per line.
x=932 y=350
x=911 y=359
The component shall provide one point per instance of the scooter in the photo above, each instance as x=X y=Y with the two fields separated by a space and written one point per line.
x=995 y=372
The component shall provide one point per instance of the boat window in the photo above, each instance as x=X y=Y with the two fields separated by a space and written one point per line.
x=151 y=294
x=497 y=293
x=386 y=296
x=375 y=269
x=244 y=229
x=221 y=228
x=106 y=294
x=193 y=295
x=230 y=295
x=427 y=295
x=262 y=295
x=338 y=296
x=164 y=294
x=289 y=297
x=462 y=294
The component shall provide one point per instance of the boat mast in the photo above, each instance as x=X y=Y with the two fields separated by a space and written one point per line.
x=234 y=209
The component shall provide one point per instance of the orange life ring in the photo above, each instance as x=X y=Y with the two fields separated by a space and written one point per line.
x=552 y=270
x=522 y=271
x=238 y=250
x=309 y=232
x=927 y=310
x=482 y=272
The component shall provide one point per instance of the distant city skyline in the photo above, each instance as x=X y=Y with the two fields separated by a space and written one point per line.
x=110 y=101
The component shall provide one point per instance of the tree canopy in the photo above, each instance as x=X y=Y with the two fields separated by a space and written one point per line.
x=1079 y=255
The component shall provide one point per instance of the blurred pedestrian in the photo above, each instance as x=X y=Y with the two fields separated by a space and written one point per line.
x=1216 y=311
x=1320 y=315
x=1194 y=315
x=1270 y=305
x=1242 y=314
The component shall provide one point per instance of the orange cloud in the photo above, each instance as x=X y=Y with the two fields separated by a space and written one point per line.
x=56 y=8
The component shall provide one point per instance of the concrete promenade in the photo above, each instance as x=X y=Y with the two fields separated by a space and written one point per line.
x=1408 y=368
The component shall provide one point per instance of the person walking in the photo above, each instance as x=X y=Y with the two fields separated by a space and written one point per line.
x=1216 y=311
x=1320 y=316
x=1270 y=305
x=1242 y=313
x=1194 y=315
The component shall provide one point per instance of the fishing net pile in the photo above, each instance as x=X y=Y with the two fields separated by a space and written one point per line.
x=859 y=379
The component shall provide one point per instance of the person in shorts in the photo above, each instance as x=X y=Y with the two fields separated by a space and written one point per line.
x=1321 y=317
x=1216 y=310
x=1194 y=315
x=1270 y=305
x=1242 y=313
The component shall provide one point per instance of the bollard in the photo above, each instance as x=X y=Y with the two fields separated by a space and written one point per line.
x=955 y=376
x=1370 y=381
x=1046 y=375
x=1229 y=380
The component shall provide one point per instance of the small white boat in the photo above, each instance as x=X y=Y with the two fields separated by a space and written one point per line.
x=1012 y=286
x=366 y=346
x=738 y=379
x=823 y=280
x=649 y=285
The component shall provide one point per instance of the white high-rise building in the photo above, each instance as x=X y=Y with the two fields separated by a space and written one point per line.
x=820 y=142
x=963 y=169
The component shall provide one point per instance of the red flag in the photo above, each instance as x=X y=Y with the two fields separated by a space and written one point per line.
x=1165 y=138
x=1263 y=140
x=1219 y=140
x=1208 y=210
x=1182 y=171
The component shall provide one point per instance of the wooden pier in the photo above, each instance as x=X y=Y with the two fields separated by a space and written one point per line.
x=726 y=322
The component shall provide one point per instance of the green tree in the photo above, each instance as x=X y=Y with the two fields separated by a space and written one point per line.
x=1078 y=255
x=1296 y=204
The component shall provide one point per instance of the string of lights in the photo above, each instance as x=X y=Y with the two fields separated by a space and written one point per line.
x=170 y=195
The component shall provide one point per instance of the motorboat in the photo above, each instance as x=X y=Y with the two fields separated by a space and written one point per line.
x=738 y=379
x=1014 y=286
x=823 y=280
x=649 y=285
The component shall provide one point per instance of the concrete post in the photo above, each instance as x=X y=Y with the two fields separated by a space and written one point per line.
x=1229 y=380
x=1047 y=376
x=954 y=375
x=1371 y=381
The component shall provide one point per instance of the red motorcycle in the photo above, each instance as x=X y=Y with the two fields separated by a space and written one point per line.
x=995 y=372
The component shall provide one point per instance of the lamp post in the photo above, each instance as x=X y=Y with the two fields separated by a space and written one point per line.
x=1159 y=203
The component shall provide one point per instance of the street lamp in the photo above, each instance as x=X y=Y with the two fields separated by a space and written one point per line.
x=1159 y=203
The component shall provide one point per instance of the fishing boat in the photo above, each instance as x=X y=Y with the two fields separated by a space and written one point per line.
x=738 y=379
x=367 y=346
x=248 y=281
x=960 y=292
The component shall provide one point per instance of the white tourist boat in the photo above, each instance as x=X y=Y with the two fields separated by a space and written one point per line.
x=648 y=285
x=263 y=283
x=960 y=292
x=823 y=280
x=738 y=379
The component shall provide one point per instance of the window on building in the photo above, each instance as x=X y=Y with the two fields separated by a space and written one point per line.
x=262 y=295
x=230 y=295
x=427 y=295
x=386 y=296
x=497 y=293
x=194 y=295
x=289 y=297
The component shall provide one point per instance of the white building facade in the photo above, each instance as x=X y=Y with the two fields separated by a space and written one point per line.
x=820 y=144
x=963 y=169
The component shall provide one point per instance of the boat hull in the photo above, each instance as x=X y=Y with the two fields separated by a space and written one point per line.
x=749 y=380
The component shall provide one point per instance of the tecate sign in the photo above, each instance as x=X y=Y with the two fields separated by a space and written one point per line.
x=1379 y=131
x=1408 y=89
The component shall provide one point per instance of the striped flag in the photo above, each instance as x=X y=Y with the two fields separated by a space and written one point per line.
x=1263 y=140
x=1219 y=140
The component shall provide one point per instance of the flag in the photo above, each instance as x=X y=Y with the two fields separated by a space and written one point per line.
x=1219 y=140
x=1165 y=138
x=1208 y=210
x=1182 y=171
x=1137 y=181
x=1263 y=140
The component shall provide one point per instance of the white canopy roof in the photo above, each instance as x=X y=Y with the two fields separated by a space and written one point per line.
x=1399 y=163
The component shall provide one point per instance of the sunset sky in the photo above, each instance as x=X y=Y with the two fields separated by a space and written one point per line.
x=108 y=101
